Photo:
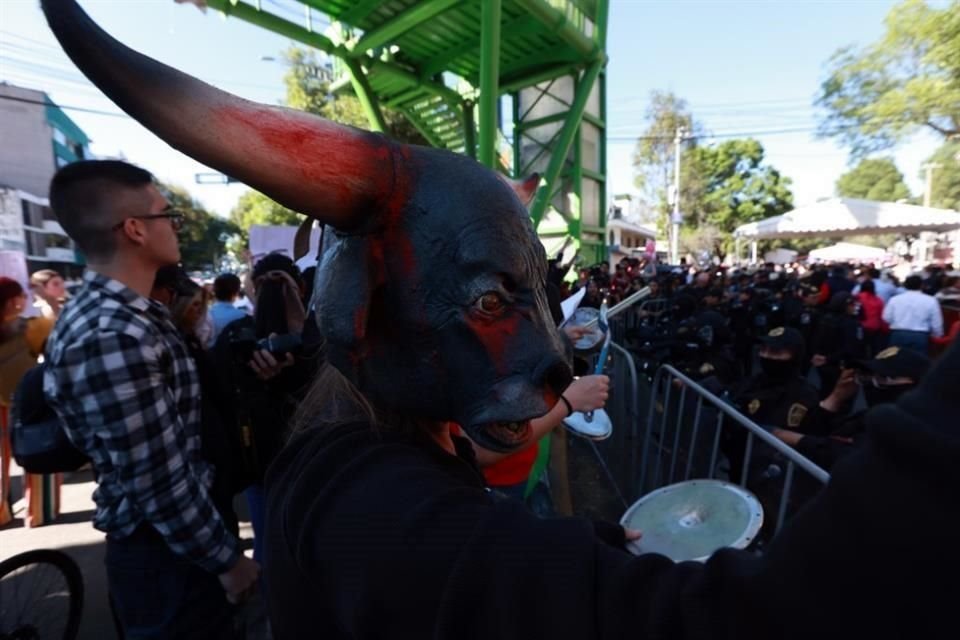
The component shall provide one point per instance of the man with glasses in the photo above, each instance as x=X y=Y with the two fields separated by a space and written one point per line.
x=126 y=389
x=893 y=372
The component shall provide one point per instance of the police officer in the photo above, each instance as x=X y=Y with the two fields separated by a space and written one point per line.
x=839 y=339
x=893 y=372
x=778 y=396
x=714 y=354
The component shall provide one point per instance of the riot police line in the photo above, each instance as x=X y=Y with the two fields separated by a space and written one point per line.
x=760 y=379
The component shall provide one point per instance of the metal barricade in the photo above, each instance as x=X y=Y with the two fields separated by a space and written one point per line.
x=618 y=455
x=682 y=439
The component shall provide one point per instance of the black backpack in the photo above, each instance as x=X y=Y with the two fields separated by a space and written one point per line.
x=38 y=442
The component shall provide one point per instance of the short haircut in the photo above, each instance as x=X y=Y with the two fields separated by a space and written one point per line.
x=867 y=286
x=874 y=273
x=83 y=196
x=913 y=283
x=226 y=287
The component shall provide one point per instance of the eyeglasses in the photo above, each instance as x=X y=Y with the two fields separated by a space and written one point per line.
x=176 y=219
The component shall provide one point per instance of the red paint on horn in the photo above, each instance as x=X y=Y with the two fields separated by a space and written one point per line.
x=342 y=169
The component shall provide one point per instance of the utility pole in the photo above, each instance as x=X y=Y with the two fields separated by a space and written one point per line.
x=929 y=169
x=675 y=220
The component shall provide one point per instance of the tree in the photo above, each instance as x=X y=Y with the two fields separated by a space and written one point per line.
x=702 y=239
x=255 y=208
x=204 y=235
x=909 y=79
x=308 y=89
x=728 y=184
x=873 y=179
x=653 y=157
x=946 y=177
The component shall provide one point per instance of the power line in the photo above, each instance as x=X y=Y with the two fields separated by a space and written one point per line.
x=115 y=114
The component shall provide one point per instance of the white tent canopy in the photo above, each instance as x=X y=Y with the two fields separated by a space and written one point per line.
x=848 y=251
x=780 y=256
x=848 y=216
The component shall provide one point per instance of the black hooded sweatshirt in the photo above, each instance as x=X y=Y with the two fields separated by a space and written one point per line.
x=382 y=536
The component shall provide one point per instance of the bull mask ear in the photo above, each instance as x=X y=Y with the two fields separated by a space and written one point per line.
x=332 y=173
x=525 y=189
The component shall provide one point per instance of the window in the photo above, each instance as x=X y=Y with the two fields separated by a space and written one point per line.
x=61 y=242
x=36 y=244
x=32 y=214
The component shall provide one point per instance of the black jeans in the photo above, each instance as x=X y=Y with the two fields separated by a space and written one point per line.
x=156 y=594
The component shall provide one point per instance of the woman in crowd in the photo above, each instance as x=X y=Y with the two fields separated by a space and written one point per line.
x=874 y=328
x=265 y=394
x=21 y=344
x=50 y=292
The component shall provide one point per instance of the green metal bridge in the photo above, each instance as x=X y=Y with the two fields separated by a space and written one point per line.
x=446 y=64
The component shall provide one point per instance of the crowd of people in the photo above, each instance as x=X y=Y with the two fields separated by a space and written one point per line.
x=791 y=346
x=182 y=397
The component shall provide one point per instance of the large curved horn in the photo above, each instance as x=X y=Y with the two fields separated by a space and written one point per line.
x=327 y=171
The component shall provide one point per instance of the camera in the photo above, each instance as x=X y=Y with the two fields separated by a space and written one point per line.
x=244 y=342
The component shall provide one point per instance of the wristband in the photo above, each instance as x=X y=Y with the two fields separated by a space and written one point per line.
x=569 y=406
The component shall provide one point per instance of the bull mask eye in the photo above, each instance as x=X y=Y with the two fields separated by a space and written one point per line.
x=490 y=302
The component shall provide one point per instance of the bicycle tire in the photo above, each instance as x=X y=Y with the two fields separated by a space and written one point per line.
x=66 y=567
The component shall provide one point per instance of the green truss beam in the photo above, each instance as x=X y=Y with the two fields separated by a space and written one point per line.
x=388 y=31
x=562 y=147
x=366 y=96
x=359 y=11
x=266 y=20
x=557 y=22
x=439 y=62
x=489 y=81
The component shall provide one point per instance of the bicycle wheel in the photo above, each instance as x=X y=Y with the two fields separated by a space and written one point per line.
x=41 y=596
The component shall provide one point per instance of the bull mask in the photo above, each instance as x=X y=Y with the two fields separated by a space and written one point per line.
x=432 y=293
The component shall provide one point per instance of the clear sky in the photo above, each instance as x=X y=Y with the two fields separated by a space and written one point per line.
x=746 y=66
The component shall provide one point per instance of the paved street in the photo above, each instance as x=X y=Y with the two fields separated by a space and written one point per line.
x=74 y=534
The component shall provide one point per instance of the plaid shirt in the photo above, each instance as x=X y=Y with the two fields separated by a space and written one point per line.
x=122 y=381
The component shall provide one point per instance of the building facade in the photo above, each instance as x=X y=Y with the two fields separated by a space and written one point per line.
x=36 y=139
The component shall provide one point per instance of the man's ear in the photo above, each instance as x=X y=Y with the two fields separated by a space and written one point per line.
x=132 y=230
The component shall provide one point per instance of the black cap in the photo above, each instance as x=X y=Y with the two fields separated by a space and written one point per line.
x=897 y=362
x=784 y=338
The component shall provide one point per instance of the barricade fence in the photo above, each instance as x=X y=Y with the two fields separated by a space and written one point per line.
x=687 y=432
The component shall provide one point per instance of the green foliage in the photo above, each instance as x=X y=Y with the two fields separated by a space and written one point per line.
x=873 y=179
x=721 y=186
x=204 y=235
x=909 y=79
x=309 y=90
x=802 y=246
x=946 y=178
x=728 y=184
x=255 y=208
x=653 y=156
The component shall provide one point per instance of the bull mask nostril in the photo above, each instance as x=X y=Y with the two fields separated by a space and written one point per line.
x=556 y=375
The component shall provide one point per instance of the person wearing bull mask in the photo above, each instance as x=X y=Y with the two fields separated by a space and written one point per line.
x=509 y=472
x=378 y=521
